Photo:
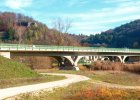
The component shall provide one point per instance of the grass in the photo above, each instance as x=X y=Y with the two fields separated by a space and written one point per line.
x=122 y=78
x=12 y=69
x=13 y=73
x=82 y=91
x=116 y=77
x=5 y=83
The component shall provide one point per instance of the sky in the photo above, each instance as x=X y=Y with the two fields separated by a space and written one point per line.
x=86 y=16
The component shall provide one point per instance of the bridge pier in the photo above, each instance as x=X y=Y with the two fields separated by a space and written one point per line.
x=74 y=62
x=122 y=58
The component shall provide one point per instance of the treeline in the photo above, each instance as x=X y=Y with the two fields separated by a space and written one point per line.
x=125 y=36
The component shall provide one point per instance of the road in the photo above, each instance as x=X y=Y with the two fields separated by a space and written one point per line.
x=70 y=78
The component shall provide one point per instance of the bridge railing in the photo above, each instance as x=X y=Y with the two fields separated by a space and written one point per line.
x=24 y=47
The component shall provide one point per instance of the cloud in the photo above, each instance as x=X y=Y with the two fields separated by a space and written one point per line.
x=97 y=20
x=17 y=4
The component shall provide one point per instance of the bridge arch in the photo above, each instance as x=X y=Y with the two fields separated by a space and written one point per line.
x=122 y=58
x=105 y=59
x=68 y=62
x=63 y=62
x=74 y=61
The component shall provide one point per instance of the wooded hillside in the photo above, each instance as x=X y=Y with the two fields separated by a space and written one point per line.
x=127 y=35
x=17 y=28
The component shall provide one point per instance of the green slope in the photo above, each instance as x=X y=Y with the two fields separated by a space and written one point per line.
x=12 y=69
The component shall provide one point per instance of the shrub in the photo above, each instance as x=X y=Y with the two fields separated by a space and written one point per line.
x=99 y=93
x=106 y=65
x=132 y=67
x=83 y=67
x=116 y=66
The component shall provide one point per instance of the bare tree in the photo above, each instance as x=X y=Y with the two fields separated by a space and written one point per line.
x=62 y=25
x=20 y=33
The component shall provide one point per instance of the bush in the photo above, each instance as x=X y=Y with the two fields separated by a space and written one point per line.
x=132 y=67
x=106 y=65
x=116 y=66
x=83 y=67
x=99 y=93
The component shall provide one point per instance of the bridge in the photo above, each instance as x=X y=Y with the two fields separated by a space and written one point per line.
x=69 y=55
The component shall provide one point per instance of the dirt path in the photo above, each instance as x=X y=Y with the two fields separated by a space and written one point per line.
x=8 y=92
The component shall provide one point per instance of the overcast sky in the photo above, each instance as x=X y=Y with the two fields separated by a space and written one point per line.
x=87 y=16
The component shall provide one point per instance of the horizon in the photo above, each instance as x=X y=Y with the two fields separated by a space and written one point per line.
x=88 y=17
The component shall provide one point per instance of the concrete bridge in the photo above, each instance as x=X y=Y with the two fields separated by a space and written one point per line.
x=68 y=55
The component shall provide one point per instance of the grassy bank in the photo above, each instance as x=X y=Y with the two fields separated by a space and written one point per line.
x=83 y=91
x=12 y=69
x=13 y=73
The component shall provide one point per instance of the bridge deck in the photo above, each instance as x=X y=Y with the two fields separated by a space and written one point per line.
x=24 y=47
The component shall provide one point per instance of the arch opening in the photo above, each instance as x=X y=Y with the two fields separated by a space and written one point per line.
x=63 y=63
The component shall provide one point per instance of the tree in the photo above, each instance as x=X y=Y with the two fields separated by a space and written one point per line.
x=135 y=45
x=61 y=25
x=10 y=34
x=20 y=33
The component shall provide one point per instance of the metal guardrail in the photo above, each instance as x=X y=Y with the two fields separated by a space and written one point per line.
x=24 y=47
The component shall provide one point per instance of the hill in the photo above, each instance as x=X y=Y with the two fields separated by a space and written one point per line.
x=127 y=35
x=17 y=28
x=12 y=69
x=13 y=73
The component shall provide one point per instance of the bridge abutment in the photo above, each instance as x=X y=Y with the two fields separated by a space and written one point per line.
x=5 y=54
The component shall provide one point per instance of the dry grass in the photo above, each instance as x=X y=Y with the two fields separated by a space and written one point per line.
x=100 y=93
x=117 y=77
x=106 y=65
x=5 y=83
x=83 y=68
x=83 y=91
x=132 y=67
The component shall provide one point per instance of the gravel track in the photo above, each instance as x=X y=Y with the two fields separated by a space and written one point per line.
x=70 y=78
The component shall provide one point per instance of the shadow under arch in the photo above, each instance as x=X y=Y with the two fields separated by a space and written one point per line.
x=63 y=63
x=121 y=59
